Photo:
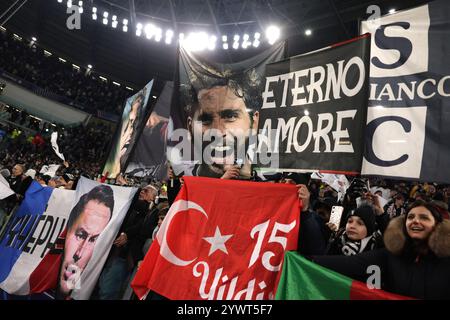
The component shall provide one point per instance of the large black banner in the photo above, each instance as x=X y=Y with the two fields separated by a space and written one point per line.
x=214 y=114
x=314 y=111
x=149 y=157
x=408 y=130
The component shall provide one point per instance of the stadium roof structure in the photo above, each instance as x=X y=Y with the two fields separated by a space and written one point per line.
x=133 y=60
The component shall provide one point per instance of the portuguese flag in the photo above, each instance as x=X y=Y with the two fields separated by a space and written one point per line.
x=302 y=279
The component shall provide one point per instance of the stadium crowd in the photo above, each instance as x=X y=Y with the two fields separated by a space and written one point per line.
x=29 y=62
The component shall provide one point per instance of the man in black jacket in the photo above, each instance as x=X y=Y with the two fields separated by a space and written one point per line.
x=121 y=258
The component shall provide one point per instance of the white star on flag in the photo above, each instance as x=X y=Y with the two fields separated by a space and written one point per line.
x=217 y=242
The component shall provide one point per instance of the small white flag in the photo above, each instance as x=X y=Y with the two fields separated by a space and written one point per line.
x=5 y=191
x=55 y=145
x=50 y=170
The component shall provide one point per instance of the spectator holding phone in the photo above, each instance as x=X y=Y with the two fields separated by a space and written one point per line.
x=358 y=235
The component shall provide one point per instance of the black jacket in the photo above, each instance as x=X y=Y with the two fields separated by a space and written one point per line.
x=402 y=270
x=313 y=236
x=131 y=226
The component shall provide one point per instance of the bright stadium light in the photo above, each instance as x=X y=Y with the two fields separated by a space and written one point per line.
x=236 y=42
x=94 y=16
x=225 y=46
x=105 y=18
x=196 y=41
x=272 y=34
x=139 y=27
x=149 y=30
x=158 y=34
x=308 y=32
x=212 y=43
x=60 y=1
x=125 y=25
x=114 y=21
x=80 y=6
x=245 y=42
x=169 y=36
x=257 y=35
x=69 y=3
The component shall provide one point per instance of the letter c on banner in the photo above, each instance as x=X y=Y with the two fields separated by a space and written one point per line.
x=370 y=131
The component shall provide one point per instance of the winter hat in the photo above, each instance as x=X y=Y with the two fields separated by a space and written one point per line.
x=299 y=178
x=367 y=214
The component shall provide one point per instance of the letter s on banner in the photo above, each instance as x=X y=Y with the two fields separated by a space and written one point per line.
x=396 y=138
x=399 y=43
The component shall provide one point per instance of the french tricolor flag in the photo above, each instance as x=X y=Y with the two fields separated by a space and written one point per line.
x=32 y=242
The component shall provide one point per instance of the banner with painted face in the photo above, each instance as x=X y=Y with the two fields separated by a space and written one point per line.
x=92 y=227
x=133 y=120
x=314 y=111
x=48 y=245
x=214 y=113
x=407 y=130
x=149 y=157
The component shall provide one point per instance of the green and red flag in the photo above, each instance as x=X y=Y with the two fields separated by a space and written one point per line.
x=302 y=279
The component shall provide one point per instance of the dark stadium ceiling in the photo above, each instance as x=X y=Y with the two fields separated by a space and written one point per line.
x=133 y=60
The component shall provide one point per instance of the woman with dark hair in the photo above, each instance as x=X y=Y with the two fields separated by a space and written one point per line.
x=416 y=260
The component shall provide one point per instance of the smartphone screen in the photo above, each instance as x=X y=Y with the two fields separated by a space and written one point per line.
x=336 y=215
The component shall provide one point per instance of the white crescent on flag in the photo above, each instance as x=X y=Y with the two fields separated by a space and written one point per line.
x=165 y=251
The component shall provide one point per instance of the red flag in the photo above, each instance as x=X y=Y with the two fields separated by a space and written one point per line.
x=222 y=239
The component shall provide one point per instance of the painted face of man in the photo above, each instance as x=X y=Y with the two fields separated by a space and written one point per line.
x=80 y=242
x=221 y=110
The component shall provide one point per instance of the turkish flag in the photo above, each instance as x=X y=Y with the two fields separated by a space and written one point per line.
x=222 y=239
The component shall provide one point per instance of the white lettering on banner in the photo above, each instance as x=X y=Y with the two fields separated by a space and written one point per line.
x=403 y=91
x=315 y=84
x=289 y=130
x=249 y=292
x=396 y=137
x=399 y=43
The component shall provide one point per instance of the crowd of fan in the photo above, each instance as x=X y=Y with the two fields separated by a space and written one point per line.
x=368 y=215
x=29 y=62
x=83 y=147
